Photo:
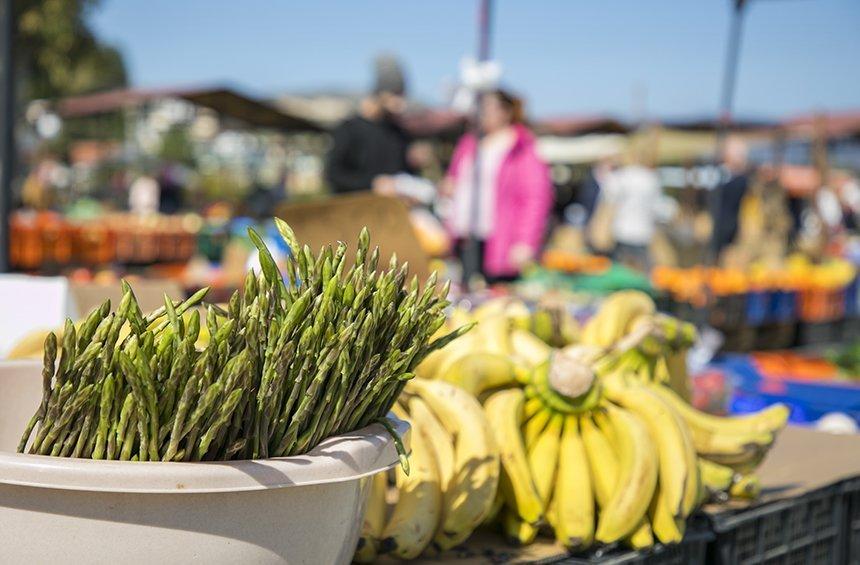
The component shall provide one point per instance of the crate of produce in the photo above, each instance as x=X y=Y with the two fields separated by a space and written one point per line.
x=817 y=305
x=758 y=307
x=728 y=311
x=692 y=549
x=775 y=335
x=805 y=529
x=809 y=399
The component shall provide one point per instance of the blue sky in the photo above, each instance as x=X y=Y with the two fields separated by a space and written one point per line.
x=565 y=56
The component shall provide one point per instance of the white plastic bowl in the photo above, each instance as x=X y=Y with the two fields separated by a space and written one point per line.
x=302 y=509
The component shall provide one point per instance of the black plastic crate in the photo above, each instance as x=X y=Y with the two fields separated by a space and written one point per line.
x=777 y=335
x=851 y=496
x=691 y=550
x=805 y=530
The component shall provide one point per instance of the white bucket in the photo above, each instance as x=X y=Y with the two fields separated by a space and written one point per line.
x=301 y=509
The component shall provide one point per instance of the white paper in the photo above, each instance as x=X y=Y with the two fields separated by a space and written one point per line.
x=31 y=303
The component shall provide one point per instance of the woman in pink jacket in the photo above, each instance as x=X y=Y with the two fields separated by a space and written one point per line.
x=514 y=195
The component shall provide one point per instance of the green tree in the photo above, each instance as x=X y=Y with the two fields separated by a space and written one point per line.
x=57 y=53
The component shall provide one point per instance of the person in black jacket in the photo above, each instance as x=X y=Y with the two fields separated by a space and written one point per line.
x=730 y=193
x=371 y=147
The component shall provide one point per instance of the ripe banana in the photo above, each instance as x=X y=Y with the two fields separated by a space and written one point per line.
x=492 y=335
x=470 y=493
x=437 y=362
x=676 y=367
x=637 y=477
x=495 y=511
x=676 y=455
x=574 y=496
x=716 y=478
x=738 y=442
x=535 y=425
x=746 y=486
x=504 y=411
x=667 y=528
x=642 y=537
x=528 y=347
x=480 y=371
x=613 y=319
x=771 y=419
x=603 y=464
x=602 y=460
x=417 y=511
x=374 y=520
x=532 y=407
x=543 y=457
x=517 y=531
x=439 y=438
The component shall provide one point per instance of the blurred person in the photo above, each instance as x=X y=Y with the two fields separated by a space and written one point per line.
x=370 y=148
x=730 y=193
x=515 y=193
x=171 y=190
x=633 y=194
x=849 y=196
x=597 y=176
x=144 y=195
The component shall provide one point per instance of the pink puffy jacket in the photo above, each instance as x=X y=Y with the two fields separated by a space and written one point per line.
x=523 y=200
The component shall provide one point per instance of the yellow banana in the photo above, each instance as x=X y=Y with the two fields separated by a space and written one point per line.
x=528 y=347
x=374 y=520
x=543 y=457
x=469 y=496
x=535 y=425
x=552 y=511
x=495 y=511
x=601 y=419
x=746 y=486
x=492 y=308
x=442 y=441
x=480 y=371
x=667 y=528
x=676 y=455
x=30 y=346
x=504 y=411
x=614 y=317
x=769 y=420
x=642 y=537
x=676 y=367
x=517 y=531
x=717 y=478
x=603 y=464
x=532 y=407
x=542 y=325
x=491 y=335
x=637 y=477
x=417 y=511
x=602 y=460
x=574 y=496
x=437 y=362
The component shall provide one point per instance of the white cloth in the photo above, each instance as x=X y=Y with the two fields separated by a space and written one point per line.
x=494 y=149
x=144 y=195
x=829 y=207
x=418 y=189
x=634 y=193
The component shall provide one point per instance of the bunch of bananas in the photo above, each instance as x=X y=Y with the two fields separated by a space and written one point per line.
x=604 y=457
x=453 y=478
x=594 y=443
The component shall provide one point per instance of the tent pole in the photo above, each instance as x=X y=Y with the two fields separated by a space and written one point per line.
x=7 y=125
x=471 y=250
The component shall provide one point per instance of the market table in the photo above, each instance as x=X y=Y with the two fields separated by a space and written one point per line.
x=802 y=508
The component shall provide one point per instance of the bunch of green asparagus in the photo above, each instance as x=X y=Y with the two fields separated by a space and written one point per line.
x=288 y=363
